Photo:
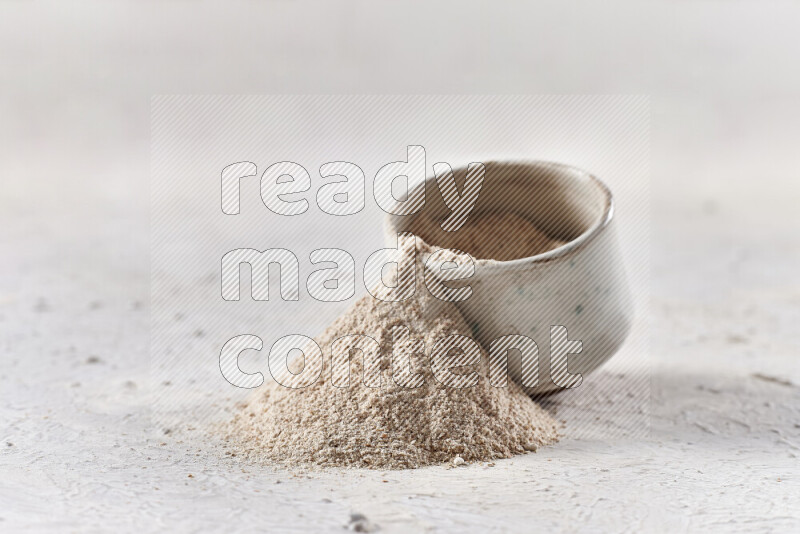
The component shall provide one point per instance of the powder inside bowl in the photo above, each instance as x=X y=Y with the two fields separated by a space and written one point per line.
x=501 y=236
x=391 y=426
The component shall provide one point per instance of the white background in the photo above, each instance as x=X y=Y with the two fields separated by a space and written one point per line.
x=76 y=81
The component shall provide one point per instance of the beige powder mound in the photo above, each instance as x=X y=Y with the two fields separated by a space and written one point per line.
x=391 y=426
x=501 y=237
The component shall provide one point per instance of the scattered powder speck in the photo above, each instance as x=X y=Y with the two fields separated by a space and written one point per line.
x=391 y=426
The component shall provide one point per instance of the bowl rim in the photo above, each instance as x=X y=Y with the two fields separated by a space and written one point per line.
x=567 y=249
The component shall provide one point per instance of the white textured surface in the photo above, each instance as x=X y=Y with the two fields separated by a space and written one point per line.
x=78 y=449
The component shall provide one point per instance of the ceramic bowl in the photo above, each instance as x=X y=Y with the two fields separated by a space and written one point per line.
x=580 y=285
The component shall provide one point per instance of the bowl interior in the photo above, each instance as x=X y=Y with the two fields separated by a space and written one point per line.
x=562 y=201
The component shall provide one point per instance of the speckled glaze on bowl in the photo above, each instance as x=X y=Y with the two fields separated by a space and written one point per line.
x=580 y=285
